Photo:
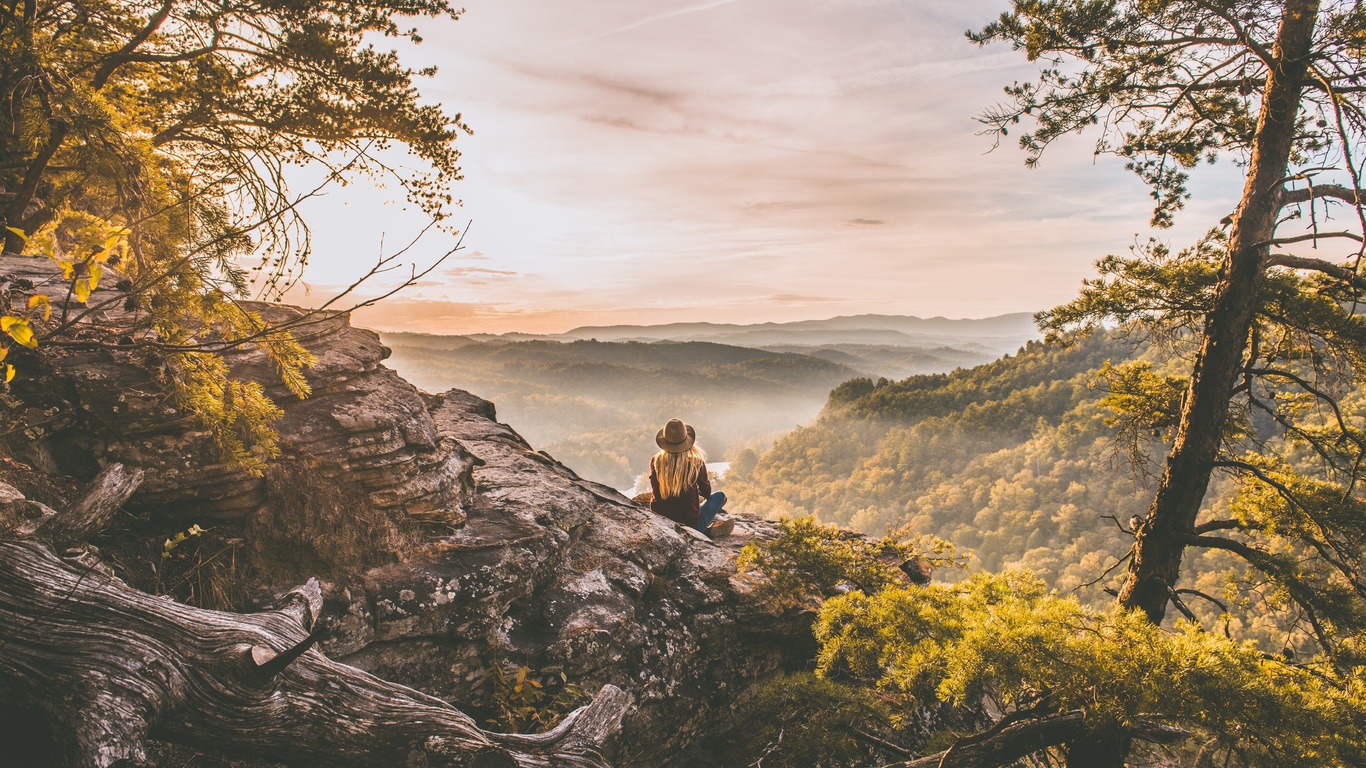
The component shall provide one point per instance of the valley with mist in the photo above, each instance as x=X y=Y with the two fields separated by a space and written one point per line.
x=594 y=397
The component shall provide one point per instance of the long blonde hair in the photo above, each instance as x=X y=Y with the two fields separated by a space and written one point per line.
x=677 y=471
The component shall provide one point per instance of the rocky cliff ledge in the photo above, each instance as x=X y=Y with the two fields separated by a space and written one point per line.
x=445 y=543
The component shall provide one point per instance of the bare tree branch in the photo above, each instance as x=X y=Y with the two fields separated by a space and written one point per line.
x=92 y=512
x=1345 y=274
x=1310 y=236
x=1319 y=191
x=1311 y=389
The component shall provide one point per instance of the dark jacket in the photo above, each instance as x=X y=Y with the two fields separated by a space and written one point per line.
x=685 y=509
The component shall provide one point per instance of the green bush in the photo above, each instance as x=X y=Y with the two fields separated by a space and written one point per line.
x=809 y=561
x=801 y=720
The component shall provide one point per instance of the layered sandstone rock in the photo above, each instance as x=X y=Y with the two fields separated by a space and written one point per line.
x=446 y=543
x=364 y=431
x=560 y=573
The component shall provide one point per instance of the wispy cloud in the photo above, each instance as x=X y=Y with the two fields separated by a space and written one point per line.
x=801 y=298
x=741 y=162
x=455 y=273
x=660 y=17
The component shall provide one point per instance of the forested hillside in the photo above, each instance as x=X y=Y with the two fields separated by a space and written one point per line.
x=893 y=361
x=596 y=405
x=1012 y=459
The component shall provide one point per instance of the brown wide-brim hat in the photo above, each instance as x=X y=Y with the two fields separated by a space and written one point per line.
x=676 y=437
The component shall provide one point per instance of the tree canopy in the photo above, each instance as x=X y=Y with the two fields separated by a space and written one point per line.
x=156 y=137
x=1274 y=340
x=907 y=669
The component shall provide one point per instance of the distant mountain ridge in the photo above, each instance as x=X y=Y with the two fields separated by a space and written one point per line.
x=992 y=336
x=1001 y=325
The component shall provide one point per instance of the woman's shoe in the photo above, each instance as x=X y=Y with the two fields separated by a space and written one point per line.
x=720 y=528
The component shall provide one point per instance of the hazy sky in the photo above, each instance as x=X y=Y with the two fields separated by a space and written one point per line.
x=738 y=161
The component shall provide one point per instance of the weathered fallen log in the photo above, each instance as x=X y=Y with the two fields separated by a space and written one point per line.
x=93 y=511
x=76 y=522
x=107 y=667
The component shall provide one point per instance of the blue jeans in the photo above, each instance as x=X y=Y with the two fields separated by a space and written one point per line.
x=709 y=508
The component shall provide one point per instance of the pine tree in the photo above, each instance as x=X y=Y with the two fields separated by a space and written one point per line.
x=1275 y=342
x=1276 y=349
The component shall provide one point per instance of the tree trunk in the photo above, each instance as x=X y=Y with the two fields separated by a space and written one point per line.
x=1159 y=545
x=95 y=668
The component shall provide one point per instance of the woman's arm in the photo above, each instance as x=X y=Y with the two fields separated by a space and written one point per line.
x=703 y=482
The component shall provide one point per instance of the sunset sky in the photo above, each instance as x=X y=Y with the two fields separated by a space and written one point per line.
x=649 y=161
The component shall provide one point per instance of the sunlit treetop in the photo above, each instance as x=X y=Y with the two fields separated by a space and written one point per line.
x=154 y=138
x=178 y=118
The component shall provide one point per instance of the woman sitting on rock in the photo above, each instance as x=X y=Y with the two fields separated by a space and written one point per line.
x=678 y=482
